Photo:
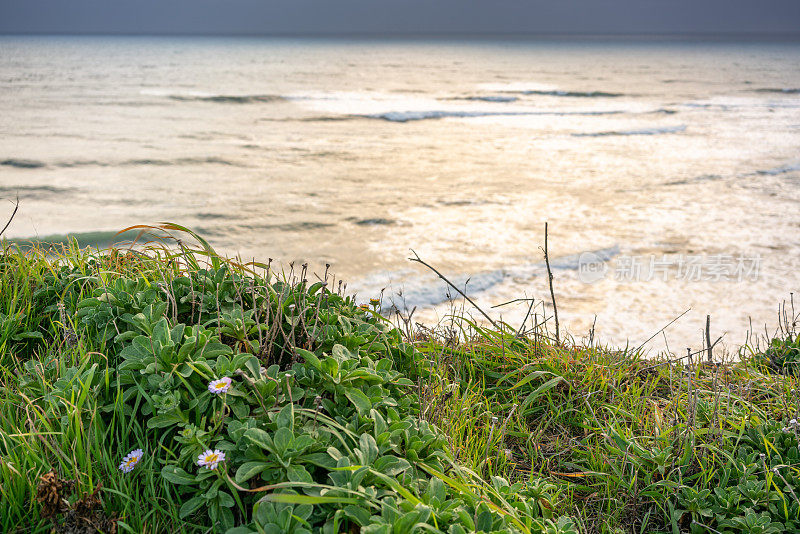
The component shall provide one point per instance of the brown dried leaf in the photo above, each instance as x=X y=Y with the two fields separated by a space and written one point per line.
x=51 y=494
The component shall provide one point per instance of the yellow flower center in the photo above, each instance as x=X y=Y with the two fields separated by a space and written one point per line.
x=212 y=458
x=221 y=385
x=132 y=462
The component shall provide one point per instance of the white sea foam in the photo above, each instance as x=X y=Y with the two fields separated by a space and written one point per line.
x=406 y=289
x=364 y=103
x=404 y=108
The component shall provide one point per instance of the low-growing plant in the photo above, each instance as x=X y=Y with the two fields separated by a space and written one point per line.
x=204 y=395
x=232 y=398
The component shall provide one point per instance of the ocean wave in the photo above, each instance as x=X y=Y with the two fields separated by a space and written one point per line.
x=198 y=96
x=377 y=221
x=98 y=239
x=32 y=164
x=320 y=118
x=573 y=94
x=495 y=98
x=696 y=179
x=785 y=91
x=775 y=171
x=526 y=88
x=421 y=292
x=783 y=169
x=706 y=105
x=34 y=190
x=644 y=131
x=213 y=216
x=409 y=116
x=229 y=99
x=729 y=103
x=457 y=202
x=394 y=108
x=23 y=163
x=291 y=227
x=573 y=261
x=180 y=161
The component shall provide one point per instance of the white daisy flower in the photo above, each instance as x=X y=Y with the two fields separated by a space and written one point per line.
x=209 y=459
x=220 y=386
x=130 y=461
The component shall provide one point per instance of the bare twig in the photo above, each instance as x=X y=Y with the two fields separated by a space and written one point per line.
x=525 y=319
x=664 y=328
x=550 y=280
x=417 y=259
x=16 y=207
x=511 y=302
x=675 y=360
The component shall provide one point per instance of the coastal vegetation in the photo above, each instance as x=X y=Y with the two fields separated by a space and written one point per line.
x=162 y=387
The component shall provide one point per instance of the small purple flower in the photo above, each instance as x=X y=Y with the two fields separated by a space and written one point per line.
x=131 y=461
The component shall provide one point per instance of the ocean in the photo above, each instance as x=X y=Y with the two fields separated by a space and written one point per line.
x=668 y=172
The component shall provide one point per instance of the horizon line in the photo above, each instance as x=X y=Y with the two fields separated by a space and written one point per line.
x=771 y=35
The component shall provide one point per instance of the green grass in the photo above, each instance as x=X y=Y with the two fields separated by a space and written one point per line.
x=338 y=422
x=633 y=444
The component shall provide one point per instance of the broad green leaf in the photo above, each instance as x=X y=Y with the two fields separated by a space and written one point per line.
x=248 y=470
x=191 y=506
x=310 y=358
x=285 y=418
x=359 y=399
x=283 y=437
x=176 y=475
x=260 y=438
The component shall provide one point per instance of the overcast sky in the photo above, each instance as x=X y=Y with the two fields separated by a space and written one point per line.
x=398 y=16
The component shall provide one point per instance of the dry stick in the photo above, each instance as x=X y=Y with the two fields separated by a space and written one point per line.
x=16 y=207
x=660 y=331
x=550 y=279
x=520 y=330
x=440 y=275
x=708 y=339
x=525 y=319
x=675 y=360
x=511 y=302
